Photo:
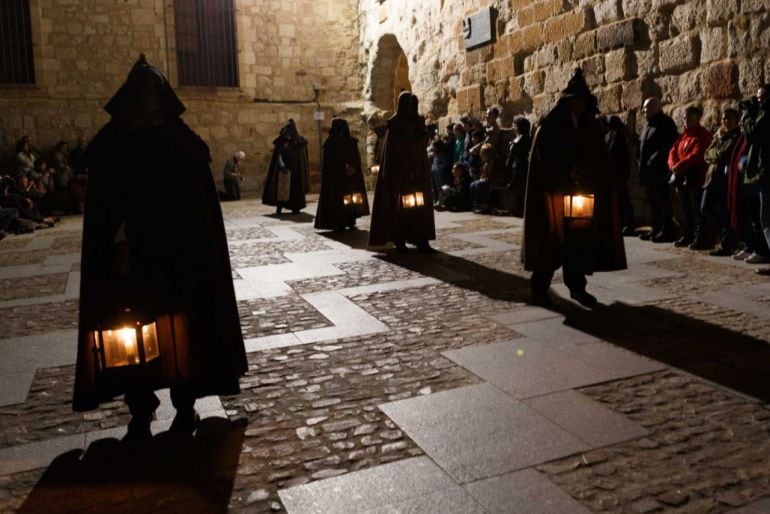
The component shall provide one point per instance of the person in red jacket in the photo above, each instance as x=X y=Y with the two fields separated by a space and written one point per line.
x=685 y=160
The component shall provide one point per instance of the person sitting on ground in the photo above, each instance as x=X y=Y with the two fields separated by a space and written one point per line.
x=714 y=204
x=14 y=195
x=689 y=174
x=457 y=197
x=619 y=151
x=233 y=175
x=25 y=156
x=473 y=157
x=459 y=144
x=492 y=174
x=439 y=164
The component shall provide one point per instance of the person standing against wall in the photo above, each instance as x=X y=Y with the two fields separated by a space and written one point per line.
x=658 y=136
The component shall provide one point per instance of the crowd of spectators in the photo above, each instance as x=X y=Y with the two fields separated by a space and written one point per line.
x=36 y=189
x=720 y=176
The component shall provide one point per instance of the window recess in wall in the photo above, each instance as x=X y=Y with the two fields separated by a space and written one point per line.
x=206 y=48
x=16 y=53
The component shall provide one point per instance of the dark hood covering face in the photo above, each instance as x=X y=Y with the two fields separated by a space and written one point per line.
x=339 y=128
x=404 y=109
x=289 y=134
x=129 y=98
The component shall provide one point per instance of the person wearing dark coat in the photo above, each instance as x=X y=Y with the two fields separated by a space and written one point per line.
x=714 y=203
x=457 y=197
x=620 y=164
x=404 y=170
x=155 y=254
x=517 y=163
x=341 y=177
x=569 y=155
x=288 y=178
x=658 y=136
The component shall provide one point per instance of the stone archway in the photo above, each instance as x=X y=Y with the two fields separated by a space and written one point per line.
x=388 y=75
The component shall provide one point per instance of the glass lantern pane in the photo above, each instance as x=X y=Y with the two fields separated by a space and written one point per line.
x=419 y=199
x=150 y=341
x=120 y=347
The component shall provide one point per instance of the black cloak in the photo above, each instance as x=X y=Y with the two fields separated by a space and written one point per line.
x=341 y=175
x=404 y=169
x=559 y=149
x=153 y=184
x=291 y=149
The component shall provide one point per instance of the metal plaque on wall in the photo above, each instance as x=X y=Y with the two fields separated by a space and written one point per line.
x=479 y=28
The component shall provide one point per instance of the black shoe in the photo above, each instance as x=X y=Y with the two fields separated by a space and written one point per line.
x=584 y=298
x=721 y=251
x=646 y=236
x=426 y=248
x=765 y=272
x=401 y=247
x=138 y=429
x=185 y=421
x=629 y=231
x=698 y=245
x=683 y=241
x=295 y=211
x=541 y=299
x=663 y=237
x=278 y=210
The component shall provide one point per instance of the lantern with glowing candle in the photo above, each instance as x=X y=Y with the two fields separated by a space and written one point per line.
x=412 y=200
x=353 y=199
x=578 y=206
x=132 y=341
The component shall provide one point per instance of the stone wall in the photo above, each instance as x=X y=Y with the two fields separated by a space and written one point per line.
x=83 y=51
x=710 y=52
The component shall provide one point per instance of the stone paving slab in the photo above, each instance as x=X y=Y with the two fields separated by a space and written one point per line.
x=525 y=368
x=587 y=419
x=478 y=432
x=385 y=486
x=553 y=330
x=523 y=492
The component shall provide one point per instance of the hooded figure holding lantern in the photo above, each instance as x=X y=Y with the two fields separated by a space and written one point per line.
x=157 y=303
x=571 y=214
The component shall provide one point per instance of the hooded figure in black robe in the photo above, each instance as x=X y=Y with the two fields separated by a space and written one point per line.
x=569 y=156
x=404 y=169
x=341 y=176
x=154 y=248
x=289 y=163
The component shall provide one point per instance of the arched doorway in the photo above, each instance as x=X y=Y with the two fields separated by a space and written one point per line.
x=389 y=74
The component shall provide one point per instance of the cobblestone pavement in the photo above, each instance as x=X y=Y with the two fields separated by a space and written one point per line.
x=311 y=398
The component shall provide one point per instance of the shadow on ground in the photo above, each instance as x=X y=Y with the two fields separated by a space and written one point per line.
x=300 y=217
x=732 y=359
x=168 y=473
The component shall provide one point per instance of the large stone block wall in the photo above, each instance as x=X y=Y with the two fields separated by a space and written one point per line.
x=709 y=52
x=83 y=51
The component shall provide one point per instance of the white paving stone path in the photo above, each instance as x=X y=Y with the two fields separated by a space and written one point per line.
x=481 y=442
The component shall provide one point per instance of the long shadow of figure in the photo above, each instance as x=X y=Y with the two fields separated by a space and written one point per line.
x=168 y=473
x=710 y=351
